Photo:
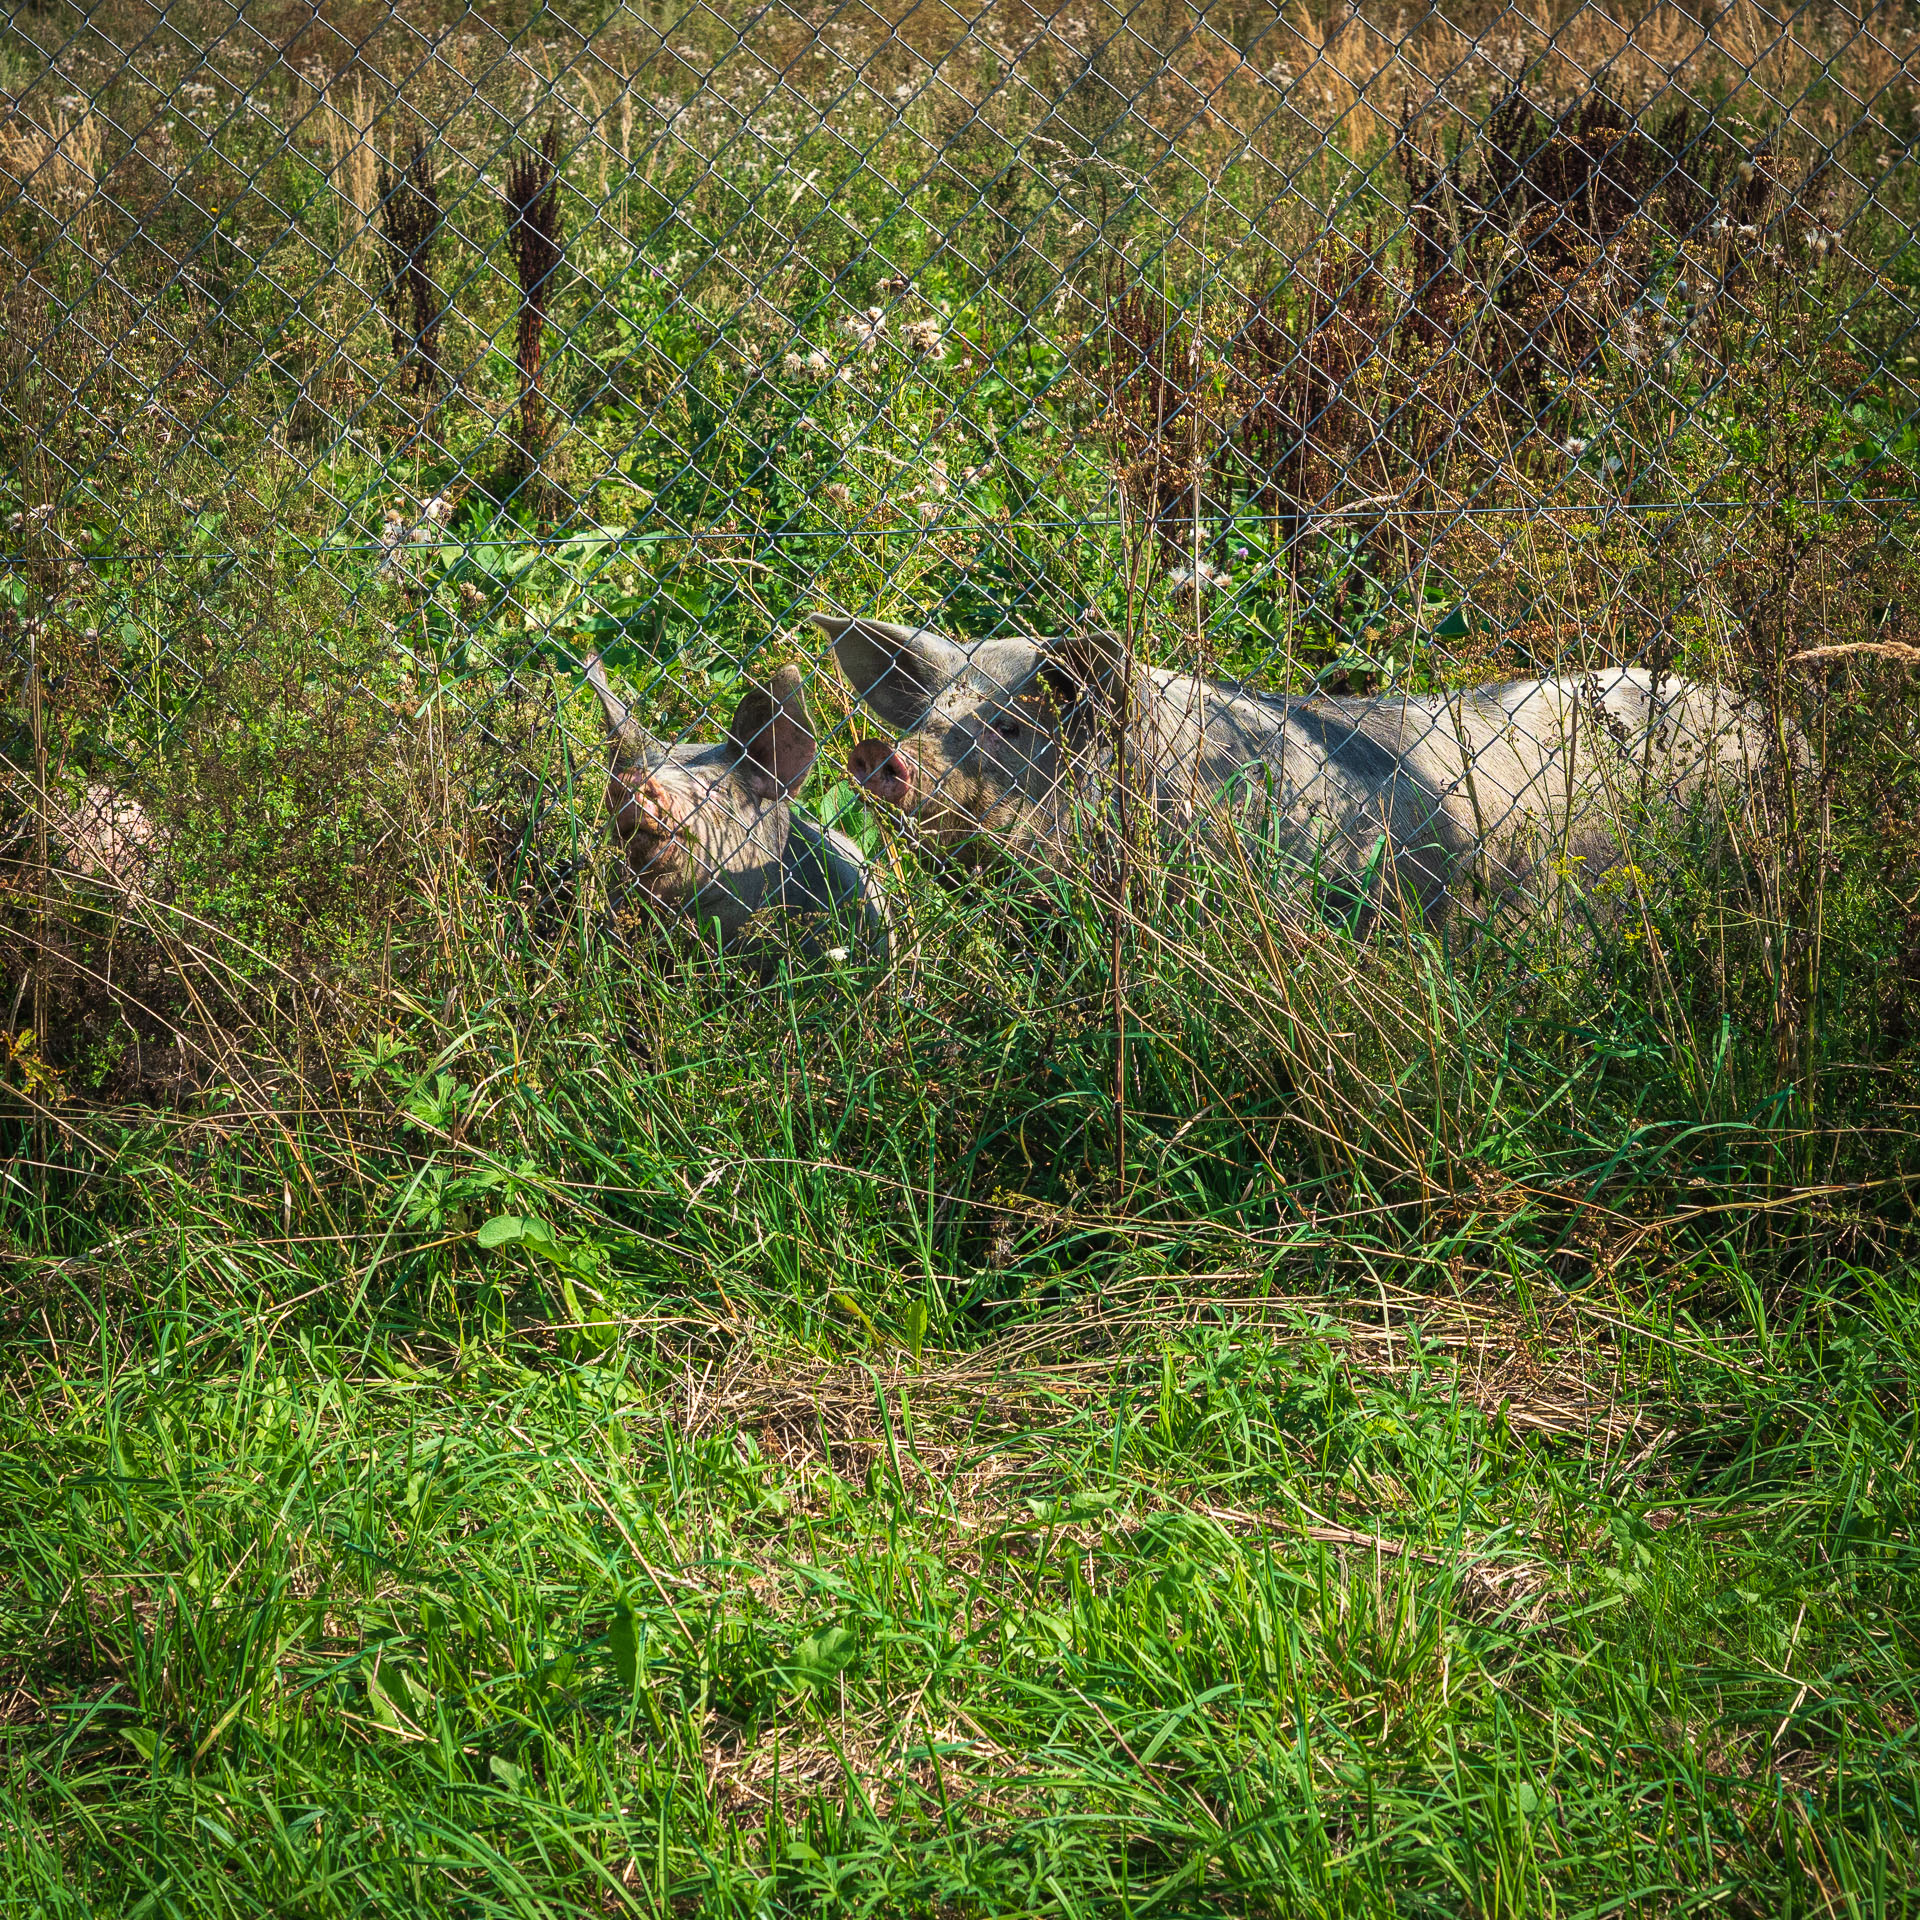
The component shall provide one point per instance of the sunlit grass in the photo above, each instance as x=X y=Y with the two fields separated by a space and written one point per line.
x=689 y=1443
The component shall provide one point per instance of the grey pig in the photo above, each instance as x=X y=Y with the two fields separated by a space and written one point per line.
x=1393 y=799
x=708 y=828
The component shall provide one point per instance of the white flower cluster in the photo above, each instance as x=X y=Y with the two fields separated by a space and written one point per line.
x=924 y=339
x=1197 y=577
x=932 y=490
x=866 y=328
x=399 y=529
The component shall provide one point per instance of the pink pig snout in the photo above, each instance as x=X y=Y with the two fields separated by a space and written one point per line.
x=883 y=770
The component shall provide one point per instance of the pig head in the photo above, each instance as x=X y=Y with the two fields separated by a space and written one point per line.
x=708 y=828
x=998 y=745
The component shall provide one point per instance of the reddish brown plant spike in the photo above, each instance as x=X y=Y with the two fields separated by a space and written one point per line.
x=534 y=239
x=410 y=225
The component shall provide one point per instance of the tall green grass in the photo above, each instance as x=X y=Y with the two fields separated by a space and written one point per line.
x=614 y=1438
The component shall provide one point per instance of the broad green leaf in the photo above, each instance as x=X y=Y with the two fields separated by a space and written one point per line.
x=504 y=1229
x=623 y=1642
x=820 y=1658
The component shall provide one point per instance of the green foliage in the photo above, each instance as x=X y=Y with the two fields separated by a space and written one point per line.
x=681 y=1444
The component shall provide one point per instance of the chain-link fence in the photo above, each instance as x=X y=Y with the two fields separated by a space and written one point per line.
x=370 y=374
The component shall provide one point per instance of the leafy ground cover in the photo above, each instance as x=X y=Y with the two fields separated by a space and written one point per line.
x=618 y=1453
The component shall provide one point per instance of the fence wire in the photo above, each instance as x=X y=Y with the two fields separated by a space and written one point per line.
x=363 y=382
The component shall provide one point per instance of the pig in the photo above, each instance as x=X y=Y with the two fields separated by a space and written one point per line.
x=709 y=830
x=1412 y=802
x=110 y=838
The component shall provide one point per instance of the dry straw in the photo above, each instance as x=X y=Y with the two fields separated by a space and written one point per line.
x=1859 y=649
x=57 y=166
x=353 y=166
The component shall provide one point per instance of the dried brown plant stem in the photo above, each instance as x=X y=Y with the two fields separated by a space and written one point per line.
x=42 y=877
x=410 y=223
x=1122 y=826
x=32 y=311
x=1136 y=537
x=533 y=237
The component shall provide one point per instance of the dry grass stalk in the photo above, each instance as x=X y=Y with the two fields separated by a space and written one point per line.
x=1350 y=70
x=1353 y=78
x=1339 y=74
x=353 y=165
x=1859 y=649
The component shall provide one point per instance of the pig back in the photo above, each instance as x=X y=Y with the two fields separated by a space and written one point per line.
x=1355 y=793
x=828 y=884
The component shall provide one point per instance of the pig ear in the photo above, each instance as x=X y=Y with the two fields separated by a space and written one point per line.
x=1091 y=656
x=772 y=735
x=619 y=714
x=626 y=733
x=1089 y=662
x=897 y=671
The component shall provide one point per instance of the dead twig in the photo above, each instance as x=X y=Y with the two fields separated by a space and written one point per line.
x=1871 y=649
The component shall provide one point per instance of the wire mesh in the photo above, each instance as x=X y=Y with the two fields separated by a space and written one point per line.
x=364 y=384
